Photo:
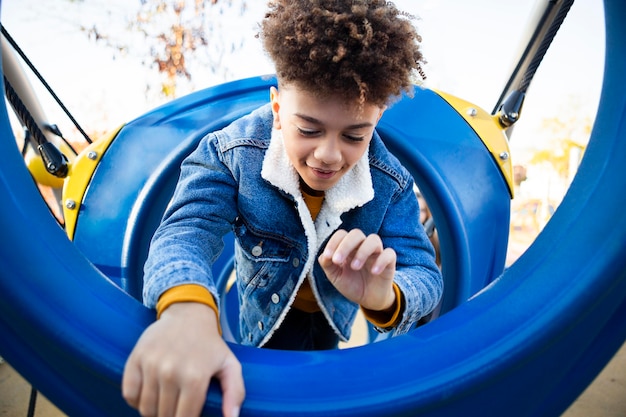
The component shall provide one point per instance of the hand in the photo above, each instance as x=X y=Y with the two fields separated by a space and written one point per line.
x=169 y=370
x=360 y=268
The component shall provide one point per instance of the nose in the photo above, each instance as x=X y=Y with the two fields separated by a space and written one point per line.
x=328 y=150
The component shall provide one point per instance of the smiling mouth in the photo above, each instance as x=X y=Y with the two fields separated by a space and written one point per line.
x=323 y=173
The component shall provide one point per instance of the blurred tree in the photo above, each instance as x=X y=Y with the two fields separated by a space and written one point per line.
x=568 y=140
x=174 y=33
x=552 y=165
x=559 y=155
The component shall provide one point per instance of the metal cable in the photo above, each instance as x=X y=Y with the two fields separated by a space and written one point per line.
x=44 y=83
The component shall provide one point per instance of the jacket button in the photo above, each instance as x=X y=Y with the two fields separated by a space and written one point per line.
x=260 y=324
x=295 y=262
x=275 y=298
x=257 y=250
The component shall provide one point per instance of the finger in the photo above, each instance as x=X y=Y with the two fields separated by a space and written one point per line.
x=233 y=389
x=331 y=245
x=131 y=383
x=168 y=397
x=367 y=251
x=192 y=397
x=385 y=261
x=344 y=252
x=148 y=396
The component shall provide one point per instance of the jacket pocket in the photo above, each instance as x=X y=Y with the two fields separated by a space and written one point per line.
x=259 y=253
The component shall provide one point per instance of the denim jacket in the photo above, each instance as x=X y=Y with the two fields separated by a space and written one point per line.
x=240 y=179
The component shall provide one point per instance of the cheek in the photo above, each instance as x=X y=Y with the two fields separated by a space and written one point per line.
x=354 y=153
x=295 y=150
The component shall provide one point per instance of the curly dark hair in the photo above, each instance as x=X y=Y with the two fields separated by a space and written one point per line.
x=363 y=50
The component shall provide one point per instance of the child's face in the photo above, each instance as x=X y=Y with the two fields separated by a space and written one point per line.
x=324 y=137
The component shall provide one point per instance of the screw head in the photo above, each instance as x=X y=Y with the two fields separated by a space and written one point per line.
x=70 y=204
x=92 y=155
x=504 y=156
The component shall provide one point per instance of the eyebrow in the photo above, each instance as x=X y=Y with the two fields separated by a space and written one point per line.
x=319 y=122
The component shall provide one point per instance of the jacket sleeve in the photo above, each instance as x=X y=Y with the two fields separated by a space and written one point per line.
x=189 y=238
x=417 y=275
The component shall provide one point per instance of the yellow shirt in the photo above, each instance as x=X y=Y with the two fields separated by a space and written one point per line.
x=305 y=299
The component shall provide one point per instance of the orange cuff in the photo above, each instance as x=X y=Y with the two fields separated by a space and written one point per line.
x=377 y=317
x=186 y=293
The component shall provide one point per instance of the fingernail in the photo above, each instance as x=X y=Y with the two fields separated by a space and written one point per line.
x=235 y=412
x=356 y=264
x=337 y=258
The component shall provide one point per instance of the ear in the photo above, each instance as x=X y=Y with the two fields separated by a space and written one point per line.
x=274 y=99
x=382 y=110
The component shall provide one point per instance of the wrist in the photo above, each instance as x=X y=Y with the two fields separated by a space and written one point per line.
x=191 y=311
x=391 y=306
x=390 y=317
x=392 y=303
x=187 y=308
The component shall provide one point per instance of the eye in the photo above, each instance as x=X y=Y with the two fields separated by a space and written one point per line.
x=354 y=138
x=307 y=132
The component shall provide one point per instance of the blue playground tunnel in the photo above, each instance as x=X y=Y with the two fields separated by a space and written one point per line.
x=524 y=341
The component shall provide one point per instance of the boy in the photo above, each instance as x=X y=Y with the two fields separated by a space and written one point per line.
x=325 y=218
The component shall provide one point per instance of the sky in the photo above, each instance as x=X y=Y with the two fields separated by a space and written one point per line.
x=470 y=48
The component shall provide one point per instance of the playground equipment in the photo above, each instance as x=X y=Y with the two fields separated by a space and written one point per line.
x=520 y=342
